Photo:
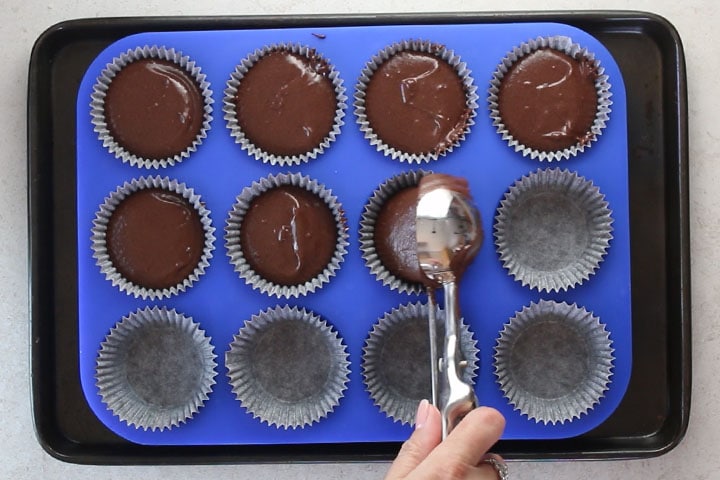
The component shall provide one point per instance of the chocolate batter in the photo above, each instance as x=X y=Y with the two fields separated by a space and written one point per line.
x=288 y=235
x=155 y=238
x=286 y=103
x=154 y=109
x=416 y=103
x=395 y=240
x=548 y=101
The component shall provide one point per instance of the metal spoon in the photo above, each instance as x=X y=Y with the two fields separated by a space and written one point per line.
x=448 y=234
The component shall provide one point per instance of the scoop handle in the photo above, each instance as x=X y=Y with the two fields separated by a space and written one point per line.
x=432 y=331
x=457 y=398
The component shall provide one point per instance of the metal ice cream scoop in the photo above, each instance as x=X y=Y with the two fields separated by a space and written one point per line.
x=449 y=235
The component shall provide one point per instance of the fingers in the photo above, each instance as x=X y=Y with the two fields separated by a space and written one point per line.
x=424 y=439
x=475 y=434
x=461 y=452
x=460 y=456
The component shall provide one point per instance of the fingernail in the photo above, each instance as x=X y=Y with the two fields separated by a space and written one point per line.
x=422 y=414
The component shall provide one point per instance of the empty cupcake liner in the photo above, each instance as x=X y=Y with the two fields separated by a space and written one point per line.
x=234 y=246
x=99 y=236
x=102 y=85
x=553 y=361
x=372 y=209
x=552 y=230
x=396 y=360
x=442 y=53
x=230 y=113
x=288 y=367
x=565 y=45
x=155 y=369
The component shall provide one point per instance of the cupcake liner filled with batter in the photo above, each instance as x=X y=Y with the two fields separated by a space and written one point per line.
x=151 y=107
x=553 y=361
x=415 y=101
x=286 y=235
x=396 y=360
x=387 y=233
x=549 y=98
x=284 y=104
x=155 y=369
x=552 y=230
x=153 y=237
x=288 y=367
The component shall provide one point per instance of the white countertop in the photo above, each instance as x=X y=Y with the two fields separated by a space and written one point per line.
x=21 y=457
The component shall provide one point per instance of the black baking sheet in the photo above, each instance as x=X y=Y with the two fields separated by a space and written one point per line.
x=652 y=417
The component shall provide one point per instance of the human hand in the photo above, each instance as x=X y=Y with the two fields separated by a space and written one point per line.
x=463 y=455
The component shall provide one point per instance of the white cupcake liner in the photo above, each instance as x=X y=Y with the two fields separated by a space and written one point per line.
x=155 y=369
x=424 y=46
x=99 y=93
x=552 y=230
x=553 y=361
x=234 y=246
x=408 y=323
x=372 y=209
x=99 y=236
x=565 y=45
x=229 y=107
x=316 y=362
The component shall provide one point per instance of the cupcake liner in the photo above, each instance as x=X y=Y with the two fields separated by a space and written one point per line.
x=155 y=369
x=288 y=367
x=565 y=45
x=103 y=83
x=367 y=231
x=234 y=224
x=396 y=360
x=553 y=361
x=552 y=230
x=99 y=237
x=230 y=114
x=442 y=53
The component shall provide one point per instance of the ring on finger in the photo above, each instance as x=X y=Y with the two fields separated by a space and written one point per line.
x=500 y=467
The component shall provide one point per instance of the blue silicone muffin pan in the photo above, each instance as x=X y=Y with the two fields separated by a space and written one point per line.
x=353 y=300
